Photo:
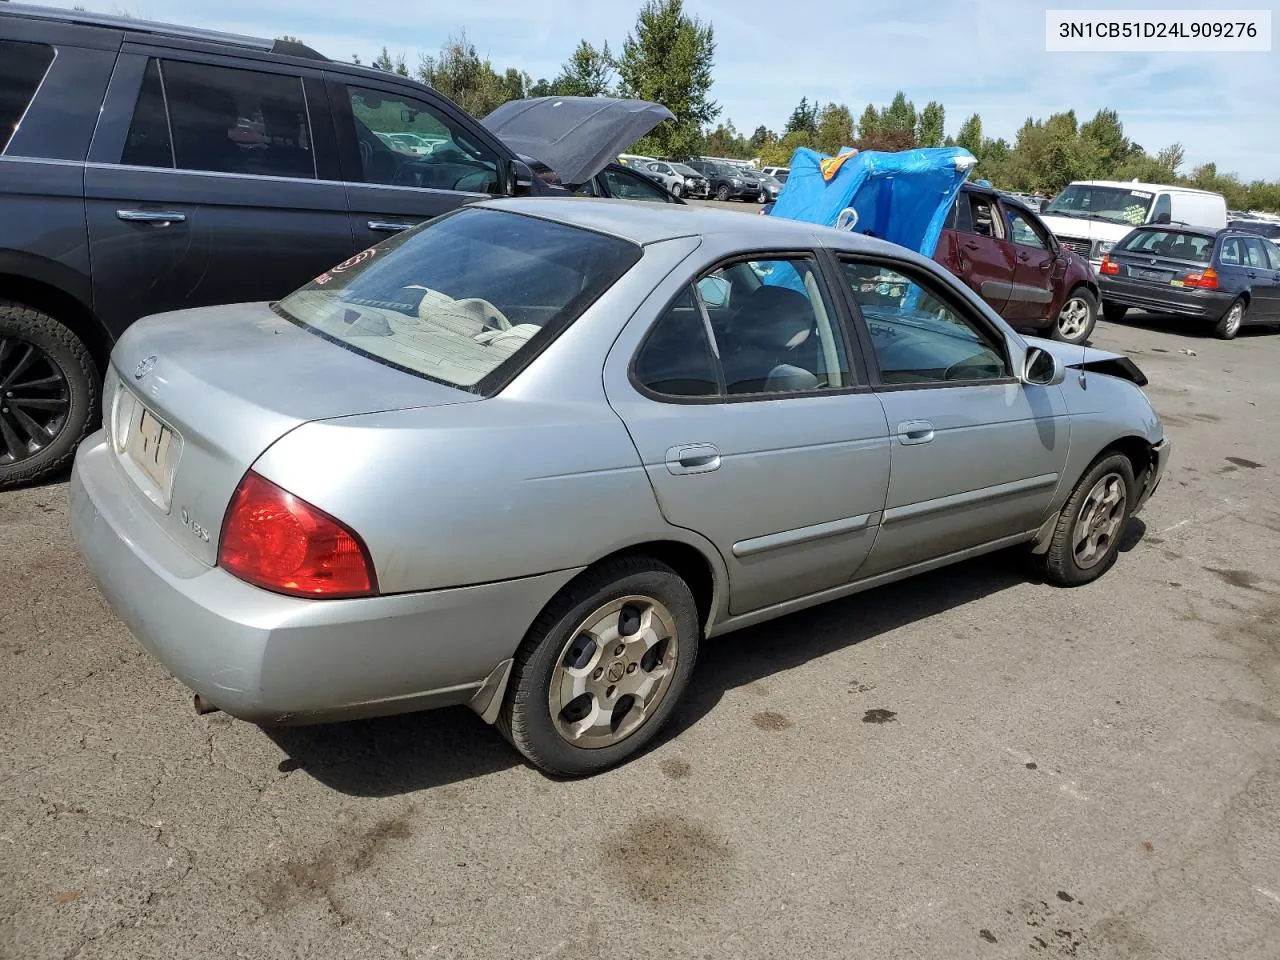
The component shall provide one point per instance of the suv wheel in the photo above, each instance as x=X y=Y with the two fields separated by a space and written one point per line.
x=1077 y=317
x=722 y=192
x=48 y=394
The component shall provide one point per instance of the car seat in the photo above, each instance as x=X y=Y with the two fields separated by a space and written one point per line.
x=771 y=343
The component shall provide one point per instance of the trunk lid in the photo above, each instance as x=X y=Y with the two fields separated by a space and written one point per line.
x=575 y=136
x=1154 y=269
x=194 y=397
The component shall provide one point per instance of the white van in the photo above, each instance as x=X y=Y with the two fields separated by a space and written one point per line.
x=1091 y=216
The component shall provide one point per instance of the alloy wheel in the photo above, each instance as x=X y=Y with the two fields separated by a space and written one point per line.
x=35 y=399
x=1234 y=317
x=613 y=672
x=1098 y=524
x=1073 y=319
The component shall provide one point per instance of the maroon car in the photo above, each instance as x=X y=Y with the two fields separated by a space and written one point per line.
x=1001 y=249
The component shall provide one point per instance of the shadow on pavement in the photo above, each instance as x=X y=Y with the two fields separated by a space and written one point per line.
x=420 y=751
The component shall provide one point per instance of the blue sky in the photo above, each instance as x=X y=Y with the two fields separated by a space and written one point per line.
x=986 y=56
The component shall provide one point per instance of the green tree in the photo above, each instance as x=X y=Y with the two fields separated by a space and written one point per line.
x=726 y=141
x=931 y=128
x=384 y=62
x=667 y=59
x=761 y=138
x=970 y=135
x=869 y=122
x=899 y=116
x=587 y=73
x=834 y=128
x=1104 y=139
x=803 y=119
x=779 y=152
x=460 y=74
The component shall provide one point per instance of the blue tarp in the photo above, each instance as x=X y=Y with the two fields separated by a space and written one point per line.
x=901 y=197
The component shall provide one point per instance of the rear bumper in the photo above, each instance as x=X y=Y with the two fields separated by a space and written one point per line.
x=274 y=659
x=1209 y=304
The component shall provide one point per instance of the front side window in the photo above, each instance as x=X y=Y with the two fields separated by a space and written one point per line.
x=24 y=67
x=454 y=299
x=1023 y=232
x=405 y=142
x=631 y=186
x=919 y=338
x=224 y=120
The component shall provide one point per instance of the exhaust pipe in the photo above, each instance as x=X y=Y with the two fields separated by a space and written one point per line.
x=202 y=705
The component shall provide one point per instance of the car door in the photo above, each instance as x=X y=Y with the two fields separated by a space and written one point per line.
x=754 y=428
x=209 y=181
x=1273 y=258
x=391 y=188
x=976 y=252
x=976 y=454
x=1037 y=268
x=1265 y=293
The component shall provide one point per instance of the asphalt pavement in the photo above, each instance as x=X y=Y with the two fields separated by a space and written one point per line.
x=971 y=764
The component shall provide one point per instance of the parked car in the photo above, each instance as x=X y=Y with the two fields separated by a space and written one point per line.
x=626 y=183
x=1003 y=251
x=577 y=438
x=1229 y=278
x=679 y=180
x=778 y=173
x=1263 y=228
x=770 y=187
x=1092 y=215
x=727 y=182
x=146 y=167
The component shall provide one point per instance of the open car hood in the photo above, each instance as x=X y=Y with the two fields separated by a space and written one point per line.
x=575 y=136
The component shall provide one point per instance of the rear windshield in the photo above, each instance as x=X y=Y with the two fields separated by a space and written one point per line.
x=1169 y=243
x=465 y=299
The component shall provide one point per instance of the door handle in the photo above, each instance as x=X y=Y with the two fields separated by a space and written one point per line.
x=915 y=431
x=162 y=217
x=693 y=458
x=1024 y=257
x=389 y=226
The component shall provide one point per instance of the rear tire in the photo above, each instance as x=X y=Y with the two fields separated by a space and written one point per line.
x=722 y=193
x=49 y=389
x=1076 y=319
x=1114 y=312
x=1086 y=538
x=1231 y=322
x=576 y=707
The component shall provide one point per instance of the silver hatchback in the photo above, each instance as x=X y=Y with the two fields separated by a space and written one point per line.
x=529 y=455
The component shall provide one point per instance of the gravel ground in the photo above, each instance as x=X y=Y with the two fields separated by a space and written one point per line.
x=970 y=764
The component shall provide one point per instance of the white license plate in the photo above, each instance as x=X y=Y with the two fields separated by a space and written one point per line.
x=1153 y=274
x=152 y=449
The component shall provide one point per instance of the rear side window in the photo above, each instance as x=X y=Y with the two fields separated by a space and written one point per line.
x=460 y=299
x=221 y=119
x=1170 y=243
x=22 y=68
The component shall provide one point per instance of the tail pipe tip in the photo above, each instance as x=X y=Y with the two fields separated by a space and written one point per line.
x=202 y=705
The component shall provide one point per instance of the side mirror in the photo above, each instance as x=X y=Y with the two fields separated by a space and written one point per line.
x=408 y=115
x=1041 y=368
x=519 y=179
x=1044 y=205
x=1163 y=218
x=714 y=291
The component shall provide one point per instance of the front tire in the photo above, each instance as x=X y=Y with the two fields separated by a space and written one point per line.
x=1076 y=319
x=1086 y=538
x=603 y=667
x=1232 y=321
x=722 y=193
x=49 y=389
x=676 y=190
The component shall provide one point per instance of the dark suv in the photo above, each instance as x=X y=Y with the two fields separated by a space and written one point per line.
x=146 y=167
x=727 y=182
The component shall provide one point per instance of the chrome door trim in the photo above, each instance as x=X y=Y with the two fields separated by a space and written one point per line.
x=790 y=538
x=912 y=510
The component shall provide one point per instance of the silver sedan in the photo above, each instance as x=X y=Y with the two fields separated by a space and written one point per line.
x=529 y=455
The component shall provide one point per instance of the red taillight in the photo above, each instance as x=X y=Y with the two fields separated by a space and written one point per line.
x=1109 y=267
x=1207 y=279
x=273 y=540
